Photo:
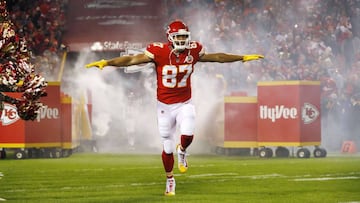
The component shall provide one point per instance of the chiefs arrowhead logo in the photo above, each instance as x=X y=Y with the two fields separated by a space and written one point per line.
x=309 y=113
x=9 y=114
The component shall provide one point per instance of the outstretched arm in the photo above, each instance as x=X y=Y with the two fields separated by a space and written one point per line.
x=121 y=61
x=226 y=58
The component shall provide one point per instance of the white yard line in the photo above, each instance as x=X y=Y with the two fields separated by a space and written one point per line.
x=306 y=177
x=213 y=174
x=327 y=178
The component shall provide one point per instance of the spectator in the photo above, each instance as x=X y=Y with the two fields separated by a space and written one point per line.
x=41 y=23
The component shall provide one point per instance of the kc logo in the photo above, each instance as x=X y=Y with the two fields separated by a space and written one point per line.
x=309 y=113
x=9 y=114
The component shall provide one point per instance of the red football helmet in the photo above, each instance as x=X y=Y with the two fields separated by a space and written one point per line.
x=178 y=35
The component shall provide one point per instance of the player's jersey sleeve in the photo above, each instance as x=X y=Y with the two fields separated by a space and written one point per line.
x=153 y=49
x=201 y=49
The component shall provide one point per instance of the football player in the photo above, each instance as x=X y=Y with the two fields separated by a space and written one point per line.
x=174 y=62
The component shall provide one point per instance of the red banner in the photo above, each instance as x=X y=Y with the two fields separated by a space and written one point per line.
x=289 y=113
x=45 y=130
x=114 y=25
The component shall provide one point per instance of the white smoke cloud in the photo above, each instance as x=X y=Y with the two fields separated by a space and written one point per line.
x=124 y=118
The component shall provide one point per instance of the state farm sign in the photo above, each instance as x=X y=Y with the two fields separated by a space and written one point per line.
x=115 y=45
x=9 y=114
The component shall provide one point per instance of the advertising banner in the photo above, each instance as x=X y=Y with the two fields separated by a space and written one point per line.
x=289 y=113
x=45 y=130
x=107 y=25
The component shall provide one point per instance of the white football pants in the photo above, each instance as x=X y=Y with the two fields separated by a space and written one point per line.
x=171 y=116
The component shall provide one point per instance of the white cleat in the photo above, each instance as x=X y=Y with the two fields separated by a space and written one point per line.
x=182 y=162
x=170 y=187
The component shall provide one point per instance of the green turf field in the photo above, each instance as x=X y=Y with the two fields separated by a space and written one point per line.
x=210 y=178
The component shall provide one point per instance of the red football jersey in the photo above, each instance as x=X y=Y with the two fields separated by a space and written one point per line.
x=174 y=70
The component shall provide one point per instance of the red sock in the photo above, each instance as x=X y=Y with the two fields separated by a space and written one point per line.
x=168 y=161
x=186 y=141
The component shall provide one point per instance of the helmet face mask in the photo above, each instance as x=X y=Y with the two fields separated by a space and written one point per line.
x=178 y=35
